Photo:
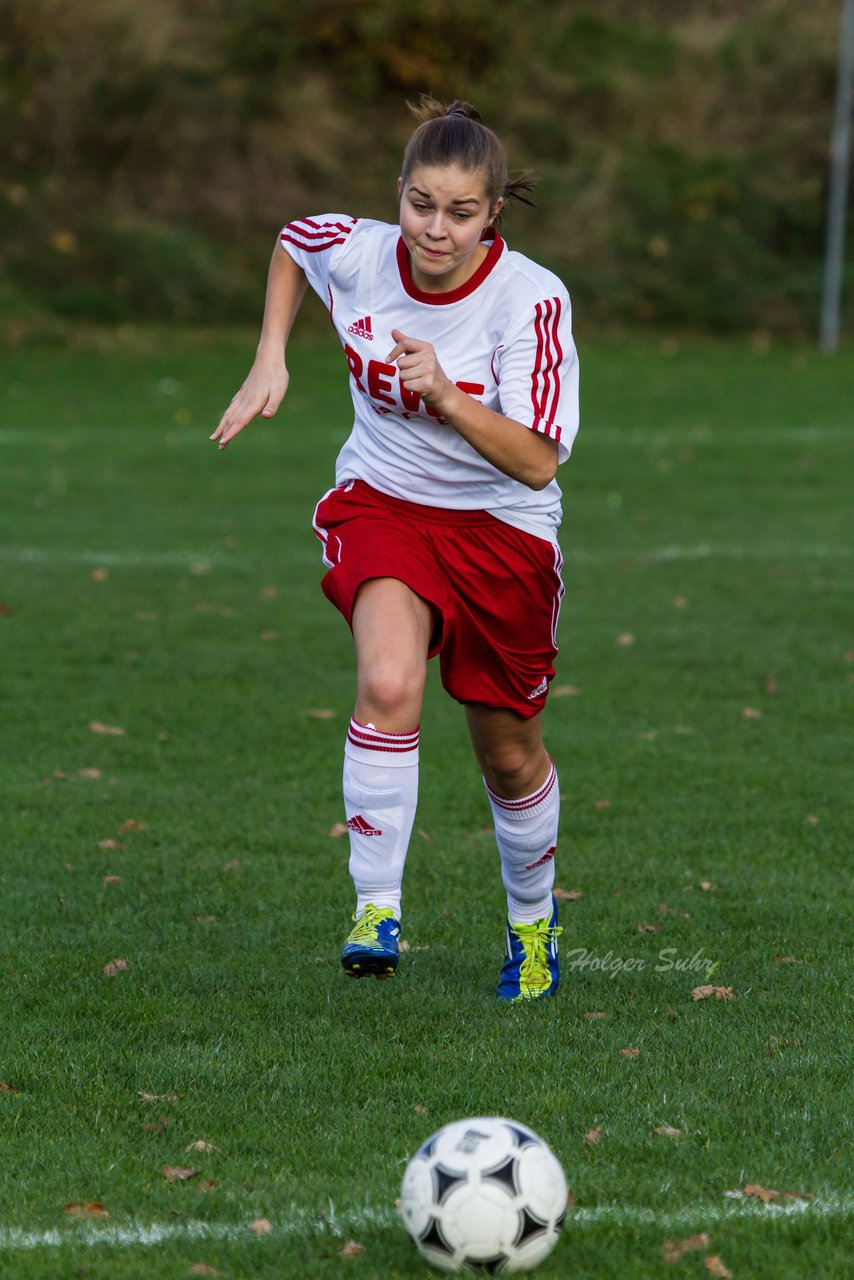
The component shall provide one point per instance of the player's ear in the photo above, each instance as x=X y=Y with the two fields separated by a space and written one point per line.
x=496 y=209
x=399 y=187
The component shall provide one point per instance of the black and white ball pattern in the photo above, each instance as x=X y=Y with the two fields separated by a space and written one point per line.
x=484 y=1195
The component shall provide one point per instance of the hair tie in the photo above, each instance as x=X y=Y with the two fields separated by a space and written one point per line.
x=458 y=111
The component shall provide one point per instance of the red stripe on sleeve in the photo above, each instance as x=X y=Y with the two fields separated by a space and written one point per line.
x=545 y=376
x=558 y=357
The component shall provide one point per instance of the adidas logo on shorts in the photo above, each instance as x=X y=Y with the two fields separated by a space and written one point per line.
x=362 y=328
x=542 y=687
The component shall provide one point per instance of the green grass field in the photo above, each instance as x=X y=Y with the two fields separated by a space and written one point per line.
x=701 y=726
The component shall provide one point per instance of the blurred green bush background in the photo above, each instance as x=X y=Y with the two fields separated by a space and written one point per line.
x=152 y=151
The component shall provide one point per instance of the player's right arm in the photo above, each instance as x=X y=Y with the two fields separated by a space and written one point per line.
x=267 y=381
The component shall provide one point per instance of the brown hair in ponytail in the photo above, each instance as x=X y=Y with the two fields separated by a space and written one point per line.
x=456 y=135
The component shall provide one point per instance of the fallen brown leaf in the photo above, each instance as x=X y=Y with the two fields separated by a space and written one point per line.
x=109 y=729
x=321 y=713
x=811 y=820
x=751 y=713
x=568 y=895
x=715 y=1267
x=679 y=602
x=339 y=829
x=664 y=910
x=771 y=686
x=207 y=1185
x=593 y=1016
x=81 y=1209
x=205 y=919
x=421 y=1109
x=130 y=825
x=5 y=1087
x=351 y=1250
x=778 y=959
x=6 y=609
x=233 y=865
x=665 y=1131
x=201 y=1145
x=424 y=836
x=565 y=691
x=202 y=1269
x=172 y=1173
x=110 y=844
x=89 y=773
x=99 y=575
x=592 y=1137
x=753 y=1190
x=158 y=1097
x=112 y=967
x=268 y=634
x=673 y=1249
x=603 y=804
x=650 y=928
x=270 y=593
x=629 y=1053
x=708 y=886
x=719 y=993
x=111 y=880
x=261 y=1226
x=157 y=1126
x=625 y=640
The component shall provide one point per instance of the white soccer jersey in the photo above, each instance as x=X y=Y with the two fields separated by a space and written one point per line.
x=504 y=337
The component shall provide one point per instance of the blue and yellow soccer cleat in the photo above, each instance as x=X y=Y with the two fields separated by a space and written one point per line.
x=531 y=970
x=372 y=945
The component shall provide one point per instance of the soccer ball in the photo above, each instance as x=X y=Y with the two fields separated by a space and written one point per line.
x=484 y=1195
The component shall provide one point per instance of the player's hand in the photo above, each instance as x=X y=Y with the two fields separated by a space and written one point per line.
x=420 y=370
x=262 y=393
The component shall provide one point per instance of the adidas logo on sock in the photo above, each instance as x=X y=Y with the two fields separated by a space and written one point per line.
x=541 y=862
x=361 y=827
x=362 y=328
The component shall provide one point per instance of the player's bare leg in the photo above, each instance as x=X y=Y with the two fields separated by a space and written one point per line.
x=509 y=750
x=391 y=629
x=522 y=786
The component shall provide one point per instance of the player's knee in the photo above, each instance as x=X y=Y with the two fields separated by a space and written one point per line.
x=390 y=687
x=510 y=768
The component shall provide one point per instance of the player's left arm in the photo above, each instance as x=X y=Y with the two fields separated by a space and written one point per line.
x=511 y=446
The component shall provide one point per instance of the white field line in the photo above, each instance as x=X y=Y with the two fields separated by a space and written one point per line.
x=732 y=436
x=344 y=1223
x=118 y=559
x=201 y=561
x=593 y=434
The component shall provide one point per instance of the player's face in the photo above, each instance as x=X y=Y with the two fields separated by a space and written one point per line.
x=443 y=214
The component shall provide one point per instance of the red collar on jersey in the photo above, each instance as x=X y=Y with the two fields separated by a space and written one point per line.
x=453 y=295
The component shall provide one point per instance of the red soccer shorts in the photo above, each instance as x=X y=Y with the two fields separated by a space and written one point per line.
x=495 y=589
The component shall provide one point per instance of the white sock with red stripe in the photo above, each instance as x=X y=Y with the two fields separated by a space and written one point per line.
x=526 y=834
x=380 y=796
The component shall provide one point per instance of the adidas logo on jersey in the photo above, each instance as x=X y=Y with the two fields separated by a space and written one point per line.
x=542 y=687
x=361 y=827
x=362 y=328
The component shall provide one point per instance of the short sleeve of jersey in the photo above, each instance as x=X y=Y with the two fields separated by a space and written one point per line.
x=538 y=373
x=321 y=246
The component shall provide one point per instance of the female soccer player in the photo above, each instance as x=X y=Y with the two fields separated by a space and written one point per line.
x=440 y=533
